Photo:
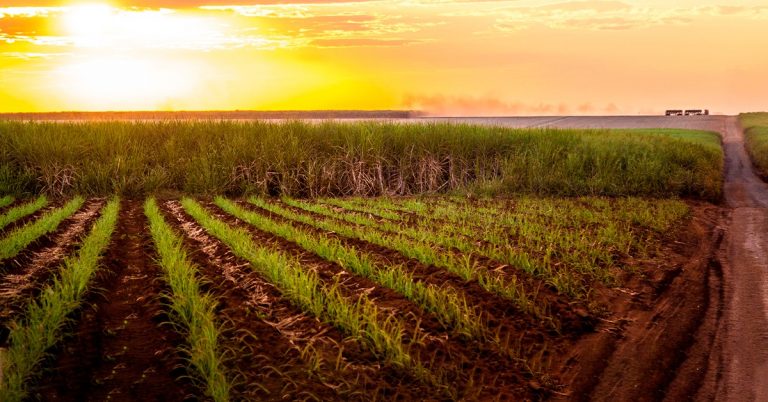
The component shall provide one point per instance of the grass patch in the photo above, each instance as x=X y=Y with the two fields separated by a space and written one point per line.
x=6 y=201
x=361 y=158
x=192 y=310
x=41 y=327
x=20 y=238
x=16 y=213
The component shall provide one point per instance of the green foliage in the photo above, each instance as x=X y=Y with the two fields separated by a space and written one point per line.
x=16 y=240
x=16 y=213
x=418 y=249
x=588 y=236
x=756 y=134
x=192 y=310
x=361 y=319
x=42 y=325
x=447 y=305
x=360 y=158
x=6 y=201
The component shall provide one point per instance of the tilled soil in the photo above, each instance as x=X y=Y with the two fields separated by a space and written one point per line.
x=123 y=348
x=689 y=326
x=572 y=317
x=722 y=333
x=449 y=355
x=276 y=337
x=29 y=218
x=22 y=277
x=638 y=349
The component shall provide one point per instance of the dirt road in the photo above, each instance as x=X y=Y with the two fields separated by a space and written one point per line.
x=739 y=372
x=731 y=347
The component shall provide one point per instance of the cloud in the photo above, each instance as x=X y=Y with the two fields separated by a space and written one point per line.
x=25 y=25
x=212 y=27
x=590 y=15
x=441 y=105
x=599 y=15
x=362 y=42
x=175 y=3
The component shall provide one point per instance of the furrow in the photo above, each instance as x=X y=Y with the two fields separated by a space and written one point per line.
x=34 y=268
x=23 y=236
x=120 y=348
x=445 y=352
x=282 y=351
x=512 y=289
x=43 y=324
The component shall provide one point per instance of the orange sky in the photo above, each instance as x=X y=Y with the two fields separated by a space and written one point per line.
x=445 y=57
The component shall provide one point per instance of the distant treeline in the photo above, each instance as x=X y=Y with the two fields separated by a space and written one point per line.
x=362 y=158
x=216 y=115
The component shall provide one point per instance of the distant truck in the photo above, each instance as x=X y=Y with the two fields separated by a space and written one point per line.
x=687 y=112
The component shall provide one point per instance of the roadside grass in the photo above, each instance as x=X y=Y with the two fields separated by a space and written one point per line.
x=192 y=311
x=42 y=325
x=18 y=212
x=706 y=138
x=20 y=238
x=756 y=135
x=365 y=158
x=360 y=320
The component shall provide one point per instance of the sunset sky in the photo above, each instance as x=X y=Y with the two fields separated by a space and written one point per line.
x=444 y=57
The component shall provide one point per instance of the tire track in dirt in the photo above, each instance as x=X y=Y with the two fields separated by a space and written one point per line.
x=121 y=350
x=24 y=276
x=738 y=365
x=258 y=318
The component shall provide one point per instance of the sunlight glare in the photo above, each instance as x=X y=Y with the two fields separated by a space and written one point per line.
x=88 y=23
x=111 y=83
x=104 y=26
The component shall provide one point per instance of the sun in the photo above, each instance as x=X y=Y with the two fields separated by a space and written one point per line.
x=88 y=24
x=119 y=59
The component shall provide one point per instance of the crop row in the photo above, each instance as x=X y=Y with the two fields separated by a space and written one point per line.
x=503 y=248
x=361 y=158
x=588 y=236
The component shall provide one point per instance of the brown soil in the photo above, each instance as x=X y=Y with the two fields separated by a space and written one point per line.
x=499 y=315
x=24 y=275
x=121 y=350
x=275 y=334
x=625 y=359
x=637 y=352
x=442 y=351
x=571 y=316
